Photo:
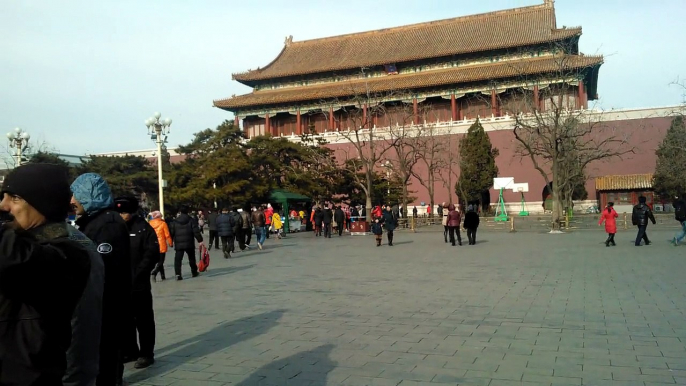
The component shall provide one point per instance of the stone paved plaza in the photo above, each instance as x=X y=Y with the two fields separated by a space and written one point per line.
x=516 y=309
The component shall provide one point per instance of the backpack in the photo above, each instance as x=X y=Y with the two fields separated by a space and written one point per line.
x=204 y=262
x=680 y=211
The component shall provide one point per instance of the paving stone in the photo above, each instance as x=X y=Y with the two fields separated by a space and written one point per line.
x=424 y=313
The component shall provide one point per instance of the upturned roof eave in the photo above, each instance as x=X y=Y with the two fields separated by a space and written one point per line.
x=254 y=77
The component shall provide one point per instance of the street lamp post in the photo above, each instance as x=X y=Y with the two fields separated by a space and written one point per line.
x=388 y=167
x=19 y=139
x=214 y=186
x=158 y=129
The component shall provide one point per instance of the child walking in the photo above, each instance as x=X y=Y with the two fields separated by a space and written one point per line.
x=609 y=215
x=377 y=231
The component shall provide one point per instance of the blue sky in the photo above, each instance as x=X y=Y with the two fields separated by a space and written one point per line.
x=82 y=76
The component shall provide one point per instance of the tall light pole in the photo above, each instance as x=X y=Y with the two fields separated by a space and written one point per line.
x=389 y=166
x=158 y=129
x=214 y=185
x=19 y=139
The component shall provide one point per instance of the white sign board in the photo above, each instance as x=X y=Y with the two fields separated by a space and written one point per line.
x=503 y=182
x=520 y=188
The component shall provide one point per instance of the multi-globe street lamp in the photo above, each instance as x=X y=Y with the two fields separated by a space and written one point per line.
x=389 y=170
x=158 y=129
x=19 y=139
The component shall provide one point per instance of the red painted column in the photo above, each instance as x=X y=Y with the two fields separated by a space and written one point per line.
x=267 y=126
x=494 y=103
x=537 y=102
x=364 y=117
x=581 y=99
x=414 y=111
x=331 y=121
x=236 y=121
x=298 y=126
x=453 y=107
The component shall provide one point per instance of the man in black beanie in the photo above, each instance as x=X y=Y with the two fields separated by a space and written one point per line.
x=42 y=276
x=92 y=201
x=145 y=253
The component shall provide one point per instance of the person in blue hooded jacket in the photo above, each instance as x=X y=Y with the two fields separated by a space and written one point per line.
x=92 y=202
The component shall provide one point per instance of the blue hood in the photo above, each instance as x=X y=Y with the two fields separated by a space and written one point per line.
x=92 y=192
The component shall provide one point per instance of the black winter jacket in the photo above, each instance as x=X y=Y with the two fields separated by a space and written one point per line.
x=318 y=216
x=225 y=225
x=641 y=214
x=83 y=356
x=339 y=216
x=212 y=221
x=110 y=235
x=237 y=221
x=145 y=252
x=42 y=277
x=389 y=221
x=183 y=230
x=327 y=216
x=471 y=220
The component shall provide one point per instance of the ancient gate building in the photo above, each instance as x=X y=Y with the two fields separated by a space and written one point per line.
x=489 y=66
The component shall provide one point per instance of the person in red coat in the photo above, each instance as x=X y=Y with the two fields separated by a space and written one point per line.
x=609 y=215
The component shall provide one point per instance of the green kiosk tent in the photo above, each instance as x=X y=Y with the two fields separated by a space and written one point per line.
x=284 y=198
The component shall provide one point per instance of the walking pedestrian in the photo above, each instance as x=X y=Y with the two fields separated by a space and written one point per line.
x=327 y=218
x=225 y=230
x=212 y=226
x=390 y=223
x=609 y=216
x=639 y=217
x=318 y=221
x=680 y=216
x=145 y=252
x=444 y=210
x=258 y=221
x=471 y=224
x=277 y=224
x=183 y=232
x=164 y=240
x=268 y=215
x=377 y=230
x=237 y=230
x=43 y=275
x=453 y=221
x=339 y=218
x=246 y=230
x=92 y=202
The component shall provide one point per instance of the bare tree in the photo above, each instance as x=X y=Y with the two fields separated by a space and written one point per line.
x=560 y=139
x=370 y=143
x=449 y=172
x=430 y=148
x=404 y=137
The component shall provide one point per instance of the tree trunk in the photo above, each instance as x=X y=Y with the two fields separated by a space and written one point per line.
x=405 y=199
x=558 y=209
x=450 y=186
x=430 y=189
x=368 y=202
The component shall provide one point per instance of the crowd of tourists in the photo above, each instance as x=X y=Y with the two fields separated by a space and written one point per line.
x=76 y=298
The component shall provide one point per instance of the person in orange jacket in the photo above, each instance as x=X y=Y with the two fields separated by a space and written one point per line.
x=165 y=240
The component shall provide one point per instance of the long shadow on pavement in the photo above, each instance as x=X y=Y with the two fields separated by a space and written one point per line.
x=307 y=367
x=219 y=338
x=226 y=270
x=403 y=242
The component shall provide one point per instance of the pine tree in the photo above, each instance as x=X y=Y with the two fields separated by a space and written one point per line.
x=477 y=166
x=670 y=171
